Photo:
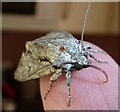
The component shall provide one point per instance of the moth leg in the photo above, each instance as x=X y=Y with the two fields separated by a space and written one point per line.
x=100 y=69
x=89 y=48
x=97 y=51
x=68 y=80
x=54 y=77
x=97 y=59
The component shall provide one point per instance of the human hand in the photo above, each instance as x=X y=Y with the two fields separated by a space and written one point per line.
x=87 y=92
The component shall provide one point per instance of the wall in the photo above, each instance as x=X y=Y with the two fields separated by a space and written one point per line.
x=102 y=18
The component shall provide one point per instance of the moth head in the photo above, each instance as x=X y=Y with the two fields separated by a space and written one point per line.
x=81 y=61
x=79 y=66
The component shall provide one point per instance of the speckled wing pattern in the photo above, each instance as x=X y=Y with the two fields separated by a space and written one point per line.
x=42 y=52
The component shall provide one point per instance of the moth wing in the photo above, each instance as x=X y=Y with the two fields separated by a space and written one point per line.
x=28 y=68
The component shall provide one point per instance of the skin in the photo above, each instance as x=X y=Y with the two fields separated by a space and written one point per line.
x=87 y=92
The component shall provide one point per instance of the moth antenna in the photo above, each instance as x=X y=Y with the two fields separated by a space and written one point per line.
x=100 y=69
x=84 y=23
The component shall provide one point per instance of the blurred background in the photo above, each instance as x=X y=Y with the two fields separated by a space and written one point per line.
x=27 y=21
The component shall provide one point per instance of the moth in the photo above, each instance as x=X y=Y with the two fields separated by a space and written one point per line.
x=55 y=53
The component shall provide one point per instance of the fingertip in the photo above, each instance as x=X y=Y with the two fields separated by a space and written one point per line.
x=56 y=99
